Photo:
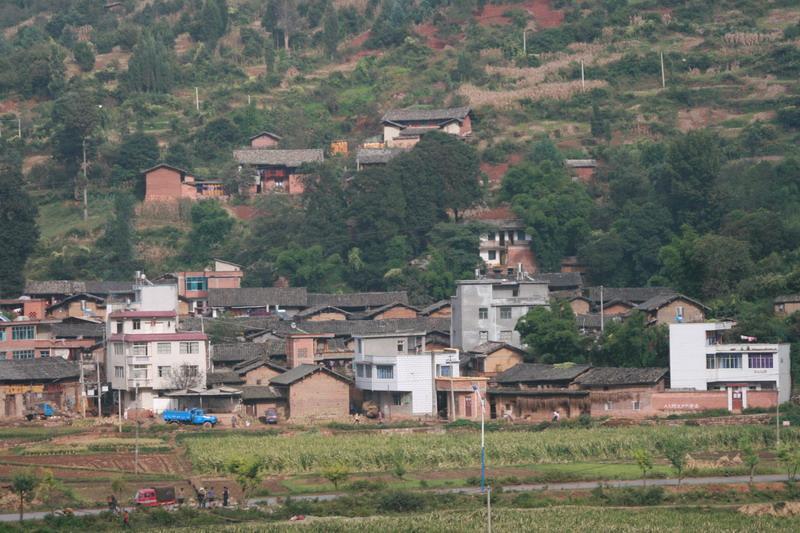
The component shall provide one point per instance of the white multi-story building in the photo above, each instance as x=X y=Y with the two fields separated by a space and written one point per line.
x=700 y=360
x=147 y=355
x=397 y=374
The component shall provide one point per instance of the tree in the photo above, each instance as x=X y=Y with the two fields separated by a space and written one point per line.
x=675 y=450
x=211 y=224
x=336 y=474
x=310 y=267
x=644 y=460
x=24 y=484
x=211 y=22
x=749 y=457
x=249 y=475
x=551 y=334
x=634 y=343
x=330 y=30
x=789 y=456
x=137 y=152
x=18 y=220
x=288 y=20
x=116 y=246
x=186 y=376
x=84 y=56
x=75 y=118
x=151 y=67
x=50 y=490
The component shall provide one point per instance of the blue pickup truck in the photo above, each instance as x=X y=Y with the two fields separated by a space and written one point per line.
x=195 y=417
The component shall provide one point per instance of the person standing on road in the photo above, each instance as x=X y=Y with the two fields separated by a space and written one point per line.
x=225 y=496
x=201 y=498
x=126 y=519
x=181 y=497
x=211 y=496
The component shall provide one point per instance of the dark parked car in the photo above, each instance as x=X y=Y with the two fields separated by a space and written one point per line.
x=271 y=416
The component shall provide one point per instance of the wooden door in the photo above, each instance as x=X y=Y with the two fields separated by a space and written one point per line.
x=737 y=399
x=468 y=407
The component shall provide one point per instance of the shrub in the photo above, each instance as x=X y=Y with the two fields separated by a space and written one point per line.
x=402 y=501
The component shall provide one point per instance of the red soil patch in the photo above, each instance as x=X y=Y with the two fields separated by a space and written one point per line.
x=359 y=40
x=542 y=11
x=428 y=32
x=123 y=462
x=495 y=172
x=101 y=61
x=244 y=212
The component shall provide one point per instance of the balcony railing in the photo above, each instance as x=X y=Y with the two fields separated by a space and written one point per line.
x=139 y=382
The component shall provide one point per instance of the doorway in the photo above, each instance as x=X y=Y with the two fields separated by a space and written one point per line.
x=737 y=402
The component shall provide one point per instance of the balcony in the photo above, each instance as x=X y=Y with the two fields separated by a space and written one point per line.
x=139 y=382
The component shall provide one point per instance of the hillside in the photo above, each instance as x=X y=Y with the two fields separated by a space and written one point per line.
x=698 y=184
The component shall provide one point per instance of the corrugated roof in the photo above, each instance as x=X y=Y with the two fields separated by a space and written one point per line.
x=621 y=376
x=302 y=371
x=532 y=372
x=40 y=369
x=358 y=299
x=415 y=114
x=258 y=297
x=271 y=156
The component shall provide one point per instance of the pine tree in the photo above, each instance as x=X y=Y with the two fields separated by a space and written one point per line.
x=330 y=30
x=150 y=67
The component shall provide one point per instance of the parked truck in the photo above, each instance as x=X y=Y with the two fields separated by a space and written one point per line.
x=155 y=496
x=195 y=417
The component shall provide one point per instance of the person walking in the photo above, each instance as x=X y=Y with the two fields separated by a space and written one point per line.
x=225 y=496
x=211 y=496
x=201 y=498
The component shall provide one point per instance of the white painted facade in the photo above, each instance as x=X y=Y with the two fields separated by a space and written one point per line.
x=396 y=372
x=493 y=245
x=699 y=360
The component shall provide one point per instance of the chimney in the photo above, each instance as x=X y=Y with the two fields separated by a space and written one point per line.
x=299 y=350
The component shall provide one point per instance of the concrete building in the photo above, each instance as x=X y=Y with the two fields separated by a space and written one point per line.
x=488 y=310
x=699 y=359
x=147 y=356
x=395 y=372
x=505 y=246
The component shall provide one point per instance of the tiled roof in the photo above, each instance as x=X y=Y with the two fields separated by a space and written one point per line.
x=226 y=377
x=41 y=369
x=78 y=297
x=425 y=311
x=635 y=295
x=271 y=156
x=532 y=372
x=142 y=314
x=299 y=372
x=76 y=287
x=90 y=330
x=378 y=310
x=787 y=298
x=438 y=115
x=358 y=299
x=246 y=366
x=245 y=351
x=365 y=327
x=489 y=347
x=373 y=156
x=238 y=325
x=621 y=376
x=581 y=163
x=267 y=134
x=154 y=337
x=659 y=301
x=315 y=309
x=501 y=214
x=258 y=297
x=560 y=280
x=260 y=392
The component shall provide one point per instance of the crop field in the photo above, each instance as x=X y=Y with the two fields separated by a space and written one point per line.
x=550 y=519
x=312 y=452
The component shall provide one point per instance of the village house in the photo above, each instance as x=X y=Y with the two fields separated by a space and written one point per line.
x=358 y=302
x=34 y=339
x=250 y=372
x=786 y=305
x=388 y=311
x=627 y=297
x=83 y=305
x=491 y=358
x=255 y=301
x=168 y=184
x=746 y=373
x=622 y=392
x=581 y=169
x=26 y=383
x=373 y=157
x=320 y=313
x=580 y=305
x=506 y=246
x=227 y=356
x=440 y=309
x=459 y=397
x=32 y=308
x=562 y=284
x=277 y=170
x=193 y=286
x=403 y=128
x=672 y=308
x=265 y=139
x=54 y=291
x=533 y=392
x=489 y=309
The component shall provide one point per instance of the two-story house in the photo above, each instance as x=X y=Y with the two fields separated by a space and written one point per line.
x=168 y=184
x=489 y=309
x=277 y=170
x=396 y=373
x=32 y=339
x=147 y=356
x=505 y=246
x=193 y=286
x=701 y=360
x=403 y=128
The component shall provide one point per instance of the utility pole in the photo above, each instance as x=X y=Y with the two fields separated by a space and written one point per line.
x=85 y=185
x=583 y=77
x=525 y=42
x=83 y=389
x=119 y=409
x=602 y=317
x=663 y=76
x=136 y=449
x=433 y=386
x=197 y=98
x=19 y=127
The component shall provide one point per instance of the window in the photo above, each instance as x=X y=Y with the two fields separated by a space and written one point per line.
x=444 y=371
x=140 y=348
x=302 y=352
x=505 y=313
x=367 y=371
x=490 y=236
x=164 y=371
x=22 y=354
x=385 y=371
x=760 y=360
x=2 y=335
x=190 y=347
x=360 y=371
x=483 y=336
x=520 y=235
x=505 y=335
x=360 y=345
x=191 y=371
x=483 y=313
x=636 y=405
x=119 y=348
x=399 y=398
x=196 y=283
x=711 y=362
x=679 y=312
x=44 y=353
x=401 y=346
x=729 y=360
x=22 y=333
x=119 y=326
x=137 y=324
x=139 y=371
x=119 y=372
x=515 y=292
x=609 y=406
x=164 y=348
x=492 y=255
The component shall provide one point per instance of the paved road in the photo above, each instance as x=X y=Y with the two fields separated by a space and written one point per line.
x=574 y=485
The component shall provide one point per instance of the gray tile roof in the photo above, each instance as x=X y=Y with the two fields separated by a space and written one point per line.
x=434 y=307
x=271 y=156
x=251 y=364
x=314 y=309
x=239 y=325
x=100 y=288
x=634 y=295
x=260 y=392
x=787 y=298
x=258 y=297
x=245 y=351
x=490 y=347
x=225 y=377
x=366 y=315
x=360 y=300
x=605 y=376
x=377 y=156
x=434 y=115
x=660 y=300
x=560 y=280
x=46 y=369
x=299 y=372
x=365 y=327
x=535 y=372
x=581 y=163
x=73 y=330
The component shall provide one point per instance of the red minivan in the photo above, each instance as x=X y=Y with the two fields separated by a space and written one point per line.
x=155 y=496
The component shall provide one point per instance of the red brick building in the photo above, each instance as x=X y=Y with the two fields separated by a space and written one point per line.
x=168 y=184
x=277 y=170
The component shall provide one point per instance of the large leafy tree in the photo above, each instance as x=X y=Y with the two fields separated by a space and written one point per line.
x=211 y=225
x=551 y=335
x=151 y=67
x=115 y=249
x=75 y=118
x=18 y=220
x=633 y=343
